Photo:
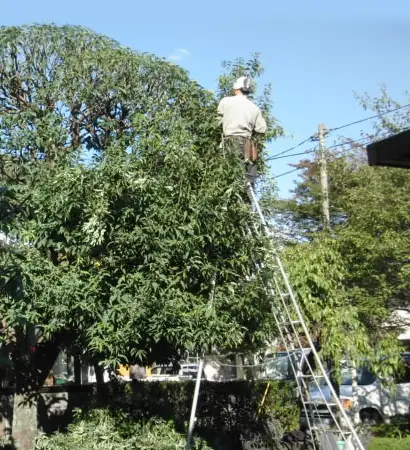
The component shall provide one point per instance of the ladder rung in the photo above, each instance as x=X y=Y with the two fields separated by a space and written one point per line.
x=310 y=402
x=310 y=376
x=332 y=430
x=290 y=322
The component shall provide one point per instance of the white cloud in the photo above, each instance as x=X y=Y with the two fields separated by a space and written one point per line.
x=178 y=54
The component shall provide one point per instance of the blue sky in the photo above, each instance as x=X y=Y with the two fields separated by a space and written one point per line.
x=316 y=52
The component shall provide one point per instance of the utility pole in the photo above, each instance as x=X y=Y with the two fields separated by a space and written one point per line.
x=326 y=225
x=323 y=177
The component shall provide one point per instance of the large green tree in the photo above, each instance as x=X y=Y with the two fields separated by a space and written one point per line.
x=124 y=220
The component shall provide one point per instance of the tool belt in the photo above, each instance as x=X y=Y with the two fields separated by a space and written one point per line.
x=247 y=147
x=250 y=150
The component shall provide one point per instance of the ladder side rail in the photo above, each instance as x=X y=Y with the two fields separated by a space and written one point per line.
x=306 y=405
x=317 y=357
x=314 y=377
x=288 y=350
x=286 y=336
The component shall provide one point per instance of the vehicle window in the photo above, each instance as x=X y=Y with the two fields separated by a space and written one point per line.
x=364 y=377
x=346 y=379
x=278 y=368
x=279 y=365
x=189 y=370
x=162 y=370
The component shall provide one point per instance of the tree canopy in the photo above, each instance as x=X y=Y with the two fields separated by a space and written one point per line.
x=123 y=218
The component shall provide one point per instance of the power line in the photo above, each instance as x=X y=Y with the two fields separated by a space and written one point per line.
x=313 y=137
x=351 y=142
x=313 y=150
x=368 y=118
x=309 y=151
x=289 y=156
x=368 y=140
x=289 y=171
x=309 y=139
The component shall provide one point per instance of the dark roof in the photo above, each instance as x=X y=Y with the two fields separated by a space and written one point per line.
x=393 y=151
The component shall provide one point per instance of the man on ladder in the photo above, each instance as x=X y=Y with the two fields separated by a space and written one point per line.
x=240 y=117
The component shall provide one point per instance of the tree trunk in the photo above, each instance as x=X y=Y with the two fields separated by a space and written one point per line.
x=240 y=374
x=77 y=370
x=32 y=365
x=251 y=369
x=331 y=367
x=102 y=390
x=24 y=422
x=99 y=374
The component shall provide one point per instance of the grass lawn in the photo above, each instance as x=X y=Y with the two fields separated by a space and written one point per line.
x=381 y=443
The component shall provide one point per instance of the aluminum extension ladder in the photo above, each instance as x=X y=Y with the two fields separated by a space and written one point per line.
x=292 y=328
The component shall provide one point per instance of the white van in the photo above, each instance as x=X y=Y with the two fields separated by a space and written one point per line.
x=376 y=402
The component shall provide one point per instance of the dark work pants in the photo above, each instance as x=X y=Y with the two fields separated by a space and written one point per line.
x=237 y=144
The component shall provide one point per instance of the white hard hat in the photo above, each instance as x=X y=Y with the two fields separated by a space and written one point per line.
x=243 y=83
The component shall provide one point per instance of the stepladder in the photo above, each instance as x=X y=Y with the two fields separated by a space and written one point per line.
x=324 y=417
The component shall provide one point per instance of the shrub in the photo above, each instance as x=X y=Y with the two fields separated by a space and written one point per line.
x=399 y=427
x=102 y=430
x=228 y=413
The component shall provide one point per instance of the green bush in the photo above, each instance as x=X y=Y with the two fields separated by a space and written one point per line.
x=125 y=415
x=399 y=427
x=102 y=430
x=389 y=444
x=228 y=413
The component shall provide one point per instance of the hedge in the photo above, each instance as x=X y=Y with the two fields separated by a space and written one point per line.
x=228 y=413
